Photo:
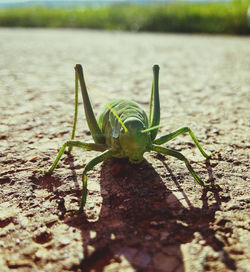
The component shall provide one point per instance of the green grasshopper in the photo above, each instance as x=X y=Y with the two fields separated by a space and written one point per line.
x=123 y=130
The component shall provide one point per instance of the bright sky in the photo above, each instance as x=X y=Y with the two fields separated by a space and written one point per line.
x=39 y=0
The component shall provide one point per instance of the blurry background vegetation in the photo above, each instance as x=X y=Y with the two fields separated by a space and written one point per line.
x=230 y=17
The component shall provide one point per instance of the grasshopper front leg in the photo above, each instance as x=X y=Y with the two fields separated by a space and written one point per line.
x=89 y=146
x=178 y=132
x=71 y=143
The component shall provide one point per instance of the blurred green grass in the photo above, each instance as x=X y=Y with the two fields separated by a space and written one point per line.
x=226 y=18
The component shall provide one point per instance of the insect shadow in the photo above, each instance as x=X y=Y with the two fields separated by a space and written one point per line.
x=143 y=224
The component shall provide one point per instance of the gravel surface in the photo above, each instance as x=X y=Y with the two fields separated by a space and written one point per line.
x=146 y=217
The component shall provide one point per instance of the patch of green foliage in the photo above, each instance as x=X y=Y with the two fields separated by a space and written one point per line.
x=228 y=18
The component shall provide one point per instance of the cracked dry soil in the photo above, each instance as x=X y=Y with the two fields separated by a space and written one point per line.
x=146 y=217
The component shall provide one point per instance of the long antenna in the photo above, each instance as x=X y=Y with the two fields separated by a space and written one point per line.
x=190 y=119
x=152 y=128
x=108 y=105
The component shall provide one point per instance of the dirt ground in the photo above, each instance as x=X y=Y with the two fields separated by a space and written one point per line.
x=146 y=217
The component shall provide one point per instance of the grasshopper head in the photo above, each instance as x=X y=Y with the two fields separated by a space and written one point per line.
x=133 y=142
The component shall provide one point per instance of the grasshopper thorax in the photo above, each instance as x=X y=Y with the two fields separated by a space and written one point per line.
x=134 y=143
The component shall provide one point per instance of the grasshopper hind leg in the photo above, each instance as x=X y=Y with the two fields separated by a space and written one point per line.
x=76 y=111
x=96 y=132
